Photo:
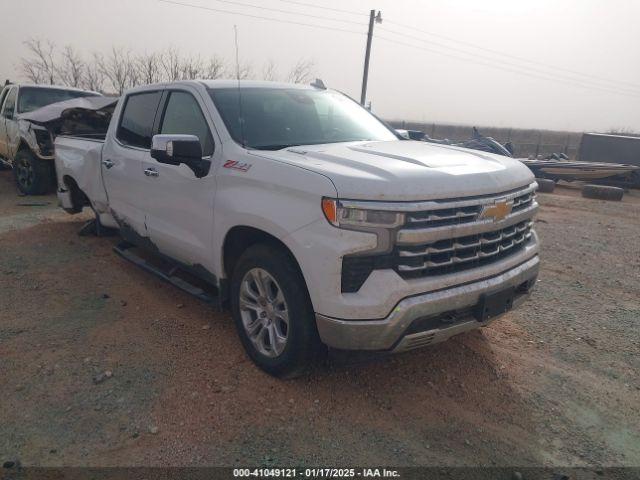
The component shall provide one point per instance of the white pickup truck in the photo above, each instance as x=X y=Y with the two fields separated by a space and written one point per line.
x=311 y=218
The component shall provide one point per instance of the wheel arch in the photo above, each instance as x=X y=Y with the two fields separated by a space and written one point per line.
x=241 y=237
x=79 y=199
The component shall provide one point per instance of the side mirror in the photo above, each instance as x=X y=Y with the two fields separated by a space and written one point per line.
x=177 y=149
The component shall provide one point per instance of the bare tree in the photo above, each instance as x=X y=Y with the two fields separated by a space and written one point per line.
x=134 y=76
x=117 y=69
x=148 y=68
x=171 y=65
x=302 y=71
x=244 y=71
x=71 y=69
x=270 y=71
x=192 y=68
x=93 y=75
x=31 y=70
x=41 y=66
x=215 y=68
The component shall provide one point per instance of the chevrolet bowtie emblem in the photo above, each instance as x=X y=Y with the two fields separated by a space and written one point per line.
x=498 y=211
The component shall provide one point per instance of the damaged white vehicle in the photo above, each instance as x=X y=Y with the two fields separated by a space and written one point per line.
x=313 y=220
x=24 y=145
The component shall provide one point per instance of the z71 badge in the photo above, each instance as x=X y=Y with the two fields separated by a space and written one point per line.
x=235 y=165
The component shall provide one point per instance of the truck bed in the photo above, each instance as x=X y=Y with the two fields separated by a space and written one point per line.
x=78 y=159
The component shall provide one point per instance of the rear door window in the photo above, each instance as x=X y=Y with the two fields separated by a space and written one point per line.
x=184 y=116
x=136 y=121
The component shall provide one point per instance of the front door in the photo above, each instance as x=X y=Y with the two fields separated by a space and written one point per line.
x=122 y=161
x=179 y=206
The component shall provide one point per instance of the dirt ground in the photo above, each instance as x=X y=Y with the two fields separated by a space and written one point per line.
x=555 y=383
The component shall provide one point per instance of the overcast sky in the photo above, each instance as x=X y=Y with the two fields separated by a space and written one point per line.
x=594 y=46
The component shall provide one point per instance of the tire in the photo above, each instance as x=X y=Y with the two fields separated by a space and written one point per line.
x=279 y=275
x=602 y=192
x=545 y=185
x=78 y=198
x=33 y=176
x=634 y=179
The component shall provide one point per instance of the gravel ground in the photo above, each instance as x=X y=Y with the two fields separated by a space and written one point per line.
x=101 y=364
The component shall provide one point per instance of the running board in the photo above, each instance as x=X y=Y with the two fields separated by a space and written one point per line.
x=124 y=249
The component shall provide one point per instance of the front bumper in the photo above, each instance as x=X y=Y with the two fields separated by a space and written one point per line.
x=428 y=318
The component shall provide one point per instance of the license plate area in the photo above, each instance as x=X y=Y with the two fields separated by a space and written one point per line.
x=493 y=304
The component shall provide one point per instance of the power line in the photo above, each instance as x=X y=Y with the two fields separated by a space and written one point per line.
x=538 y=70
x=473 y=57
x=259 y=17
x=515 y=57
x=614 y=83
x=288 y=12
x=508 y=69
x=352 y=12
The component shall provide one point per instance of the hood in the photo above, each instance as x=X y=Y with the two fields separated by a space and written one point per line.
x=78 y=115
x=405 y=170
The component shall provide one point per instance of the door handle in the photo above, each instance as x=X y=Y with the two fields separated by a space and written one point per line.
x=107 y=163
x=151 y=172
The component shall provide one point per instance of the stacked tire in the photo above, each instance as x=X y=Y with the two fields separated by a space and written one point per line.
x=603 y=192
x=545 y=185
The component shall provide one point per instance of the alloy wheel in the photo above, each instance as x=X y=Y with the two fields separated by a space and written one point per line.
x=264 y=312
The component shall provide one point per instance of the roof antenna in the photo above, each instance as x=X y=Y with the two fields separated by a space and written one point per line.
x=240 y=117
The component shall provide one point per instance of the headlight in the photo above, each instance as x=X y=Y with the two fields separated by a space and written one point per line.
x=359 y=218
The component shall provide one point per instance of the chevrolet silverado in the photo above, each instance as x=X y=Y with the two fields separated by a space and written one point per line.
x=317 y=223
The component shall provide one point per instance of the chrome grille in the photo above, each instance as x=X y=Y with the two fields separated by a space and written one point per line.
x=441 y=237
x=442 y=214
x=455 y=254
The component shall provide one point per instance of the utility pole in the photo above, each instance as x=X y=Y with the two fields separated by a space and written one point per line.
x=365 y=76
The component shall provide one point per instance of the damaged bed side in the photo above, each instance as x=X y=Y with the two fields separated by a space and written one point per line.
x=78 y=128
x=79 y=174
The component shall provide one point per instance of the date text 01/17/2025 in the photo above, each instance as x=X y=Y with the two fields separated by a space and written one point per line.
x=315 y=473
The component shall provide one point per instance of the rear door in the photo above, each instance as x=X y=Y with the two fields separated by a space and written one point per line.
x=179 y=205
x=122 y=160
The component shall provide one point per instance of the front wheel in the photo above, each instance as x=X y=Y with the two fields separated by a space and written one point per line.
x=33 y=176
x=273 y=313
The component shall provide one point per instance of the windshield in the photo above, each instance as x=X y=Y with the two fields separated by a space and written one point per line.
x=276 y=118
x=33 y=98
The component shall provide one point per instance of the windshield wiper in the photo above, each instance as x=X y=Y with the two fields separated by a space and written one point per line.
x=319 y=142
x=273 y=147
